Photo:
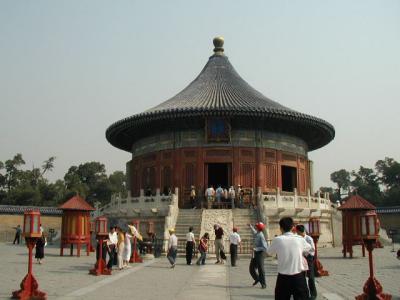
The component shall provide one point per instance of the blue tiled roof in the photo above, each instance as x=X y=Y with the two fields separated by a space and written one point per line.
x=220 y=91
x=17 y=210
x=388 y=210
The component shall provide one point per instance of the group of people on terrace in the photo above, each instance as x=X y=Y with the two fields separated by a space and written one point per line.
x=221 y=196
x=294 y=250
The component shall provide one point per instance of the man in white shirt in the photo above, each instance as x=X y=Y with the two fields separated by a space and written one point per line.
x=190 y=245
x=232 y=196
x=112 y=246
x=210 y=193
x=234 y=240
x=310 y=261
x=172 y=247
x=290 y=249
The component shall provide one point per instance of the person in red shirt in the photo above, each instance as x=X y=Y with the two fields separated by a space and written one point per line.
x=219 y=243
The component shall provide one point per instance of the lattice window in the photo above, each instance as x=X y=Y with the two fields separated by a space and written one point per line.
x=190 y=175
x=288 y=157
x=218 y=153
x=271 y=176
x=247 y=175
x=167 y=155
x=166 y=179
x=190 y=153
x=302 y=180
x=247 y=153
x=270 y=155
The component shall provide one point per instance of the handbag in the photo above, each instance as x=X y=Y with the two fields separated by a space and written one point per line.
x=222 y=254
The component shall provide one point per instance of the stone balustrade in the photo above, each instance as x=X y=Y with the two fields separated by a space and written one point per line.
x=278 y=202
x=157 y=204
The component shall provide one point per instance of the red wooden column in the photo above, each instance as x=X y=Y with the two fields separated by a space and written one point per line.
x=260 y=177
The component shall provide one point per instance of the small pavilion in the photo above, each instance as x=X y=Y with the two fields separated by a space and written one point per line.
x=75 y=228
x=352 y=209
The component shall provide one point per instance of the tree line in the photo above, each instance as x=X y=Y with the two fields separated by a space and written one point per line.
x=380 y=186
x=31 y=187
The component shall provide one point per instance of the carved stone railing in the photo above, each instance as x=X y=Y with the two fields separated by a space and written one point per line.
x=155 y=205
x=280 y=201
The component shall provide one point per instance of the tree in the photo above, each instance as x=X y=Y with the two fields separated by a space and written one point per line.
x=366 y=184
x=12 y=171
x=48 y=165
x=330 y=191
x=389 y=175
x=342 y=179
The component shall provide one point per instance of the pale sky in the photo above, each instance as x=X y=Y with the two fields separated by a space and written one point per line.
x=69 y=69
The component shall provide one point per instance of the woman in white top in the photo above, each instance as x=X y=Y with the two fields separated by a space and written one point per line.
x=127 y=250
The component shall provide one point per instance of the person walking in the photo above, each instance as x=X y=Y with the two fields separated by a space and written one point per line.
x=40 y=243
x=172 y=247
x=203 y=247
x=234 y=240
x=18 y=231
x=126 y=255
x=120 y=247
x=310 y=261
x=290 y=249
x=218 y=243
x=190 y=245
x=256 y=267
x=112 y=242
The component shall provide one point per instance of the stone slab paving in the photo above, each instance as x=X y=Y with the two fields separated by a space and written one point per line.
x=67 y=277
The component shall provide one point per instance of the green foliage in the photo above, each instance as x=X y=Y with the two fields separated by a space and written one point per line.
x=30 y=187
x=380 y=186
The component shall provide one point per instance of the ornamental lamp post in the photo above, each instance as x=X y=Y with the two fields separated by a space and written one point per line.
x=31 y=232
x=100 y=267
x=369 y=233
x=315 y=231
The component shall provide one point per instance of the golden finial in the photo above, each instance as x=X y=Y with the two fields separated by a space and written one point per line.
x=218 y=45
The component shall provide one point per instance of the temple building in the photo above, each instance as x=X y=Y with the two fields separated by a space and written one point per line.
x=219 y=131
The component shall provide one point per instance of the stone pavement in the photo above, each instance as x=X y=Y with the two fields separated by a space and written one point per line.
x=67 y=277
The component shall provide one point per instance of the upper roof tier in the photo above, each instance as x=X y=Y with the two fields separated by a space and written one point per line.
x=220 y=91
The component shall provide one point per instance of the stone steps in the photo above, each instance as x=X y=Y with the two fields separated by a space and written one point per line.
x=187 y=218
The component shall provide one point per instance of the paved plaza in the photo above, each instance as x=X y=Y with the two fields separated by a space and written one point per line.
x=67 y=277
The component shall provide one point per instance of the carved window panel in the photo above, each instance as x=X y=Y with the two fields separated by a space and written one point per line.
x=248 y=153
x=247 y=174
x=190 y=153
x=167 y=155
x=302 y=181
x=271 y=176
x=190 y=175
x=270 y=156
x=289 y=157
x=166 y=180
x=218 y=153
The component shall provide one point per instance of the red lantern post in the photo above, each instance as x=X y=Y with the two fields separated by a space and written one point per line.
x=135 y=257
x=369 y=233
x=31 y=232
x=315 y=232
x=100 y=267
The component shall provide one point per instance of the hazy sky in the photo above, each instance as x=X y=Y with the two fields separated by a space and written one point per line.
x=69 y=69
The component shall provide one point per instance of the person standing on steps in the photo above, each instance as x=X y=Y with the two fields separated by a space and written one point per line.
x=190 y=245
x=193 y=197
x=290 y=249
x=234 y=240
x=172 y=247
x=232 y=196
x=310 y=261
x=257 y=261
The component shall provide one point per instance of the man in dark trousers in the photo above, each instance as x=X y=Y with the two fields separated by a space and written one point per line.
x=310 y=261
x=290 y=249
x=190 y=245
x=257 y=261
x=18 y=231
